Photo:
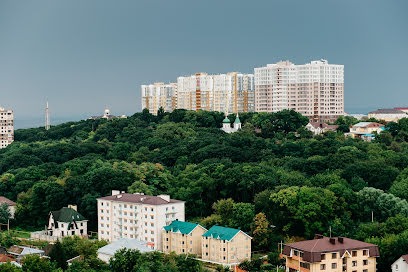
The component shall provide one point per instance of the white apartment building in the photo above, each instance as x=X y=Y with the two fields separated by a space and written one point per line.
x=159 y=95
x=315 y=89
x=232 y=92
x=137 y=216
x=6 y=127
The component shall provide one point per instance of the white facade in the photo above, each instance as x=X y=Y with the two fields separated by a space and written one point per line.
x=137 y=216
x=315 y=89
x=232 y=92
x=58 y=225
x=400 y=265
x=159 y=95
x=6 y=127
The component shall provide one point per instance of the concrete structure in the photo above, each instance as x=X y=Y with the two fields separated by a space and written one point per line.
x=12 y=205
x=226 y=246
x=232 y=92
x=388 y=115
x=106 y=115
x=6 y=127
x=20 y=252
x=315 y=89
x=226 y=125
x=365 y=130
x=65 y=222
x=159 y=95
x=400 y=265
x=183 y=238
x=319 y=128
x=404 y=109
x=107 y=252
x=137 y=216
x=330 y=254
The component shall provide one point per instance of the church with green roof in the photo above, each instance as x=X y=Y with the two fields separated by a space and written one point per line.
x=226 y=124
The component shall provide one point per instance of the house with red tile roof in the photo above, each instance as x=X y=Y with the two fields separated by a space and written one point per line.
x=12 y=205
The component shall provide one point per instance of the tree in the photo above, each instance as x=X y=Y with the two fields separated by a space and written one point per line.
x=260 y=230
x=5 y=214
x=34 y=263
x=9 y=267
x=58 y=255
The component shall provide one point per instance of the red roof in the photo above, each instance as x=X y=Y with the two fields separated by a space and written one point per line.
x=401 y=108
x=6 y=200
x=405 y=257
x=5 y=258
x=138 y=198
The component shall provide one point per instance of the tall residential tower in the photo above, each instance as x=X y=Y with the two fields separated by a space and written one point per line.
x=159 y=95
x=315 y=89
x=6 y=127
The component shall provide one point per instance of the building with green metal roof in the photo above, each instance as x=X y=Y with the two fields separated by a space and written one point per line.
x=67 y=222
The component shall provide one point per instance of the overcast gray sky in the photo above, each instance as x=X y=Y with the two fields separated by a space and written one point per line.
x=85 y=55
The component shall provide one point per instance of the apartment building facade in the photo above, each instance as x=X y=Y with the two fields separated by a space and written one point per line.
x=6 y=127
x=137 y=216
x=159 y=95
x=183 y=238
x=233 y=92
x=315 y=89
x=330 y=254
x=226 y=246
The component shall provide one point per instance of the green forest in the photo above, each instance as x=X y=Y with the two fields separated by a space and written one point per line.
x=273 y=178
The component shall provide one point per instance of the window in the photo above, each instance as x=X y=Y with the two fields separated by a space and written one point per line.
x=365 y=262
x=354 y=253
x=365 y=252
x=354 y=263
x=334 y=255
x=334 y=265
x=365 y=270
x=323 y=257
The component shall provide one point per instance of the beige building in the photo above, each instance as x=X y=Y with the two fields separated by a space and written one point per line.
x=330 y=254
x=365 y=130
x=226 y=246
x=157 y=95
x=183 y=238
x=137 y=216
x=6 y=127
x=315 y=89
x=232 y=92
x=388 y=115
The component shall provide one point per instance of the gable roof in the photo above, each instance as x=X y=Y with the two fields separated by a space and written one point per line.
x=182 y=227
x=5 y=258
x=67 y=215
x=221 y=233
x=139 y=198
x=6 y=200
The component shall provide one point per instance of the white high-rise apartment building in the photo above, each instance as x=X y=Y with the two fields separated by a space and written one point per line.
x=159 y=95
x=232 y=92
x=315 y=89
x=6 y=127
x=137 y=216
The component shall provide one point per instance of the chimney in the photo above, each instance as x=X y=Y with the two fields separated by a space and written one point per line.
x=333 y=241
x=74 y=207
x=318 y=236
x=340 y=239
x=165 y=197
x=115 y=192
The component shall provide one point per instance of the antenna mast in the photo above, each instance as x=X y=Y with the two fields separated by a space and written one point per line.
x=47 y=117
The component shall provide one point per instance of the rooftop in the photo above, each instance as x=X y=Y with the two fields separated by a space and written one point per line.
x=6 y=200
x=22 y=250
x=111 y=248
x=387 y=111
x=140 y=198
x=180 y=226
x=67 y=215
x=368 y=124
x=405 y=258
x=221 y=233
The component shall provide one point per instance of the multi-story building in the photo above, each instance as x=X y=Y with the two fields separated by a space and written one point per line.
x=232 y=92
x=67 y=222
x=365 y=130
x=6 y=127
x=315 y=89
x=330 y=254
x=137 y=216
x=183 y=238
x=400 y=265
x=226 y=246
x=159 y=95
x=388 y=115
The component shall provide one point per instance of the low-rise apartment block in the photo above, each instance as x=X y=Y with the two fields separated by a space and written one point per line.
x=6 y=127
x=334 y=254
x=226 y=246
x=183 y=238
x=137 y=216
x=388 y=115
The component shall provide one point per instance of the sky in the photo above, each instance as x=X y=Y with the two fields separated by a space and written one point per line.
x=86 y=55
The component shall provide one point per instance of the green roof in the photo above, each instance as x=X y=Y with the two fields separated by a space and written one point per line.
x=226 y=120
x=67 y=215
x=182 y=227
x=237 y=120
x=222 y=233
